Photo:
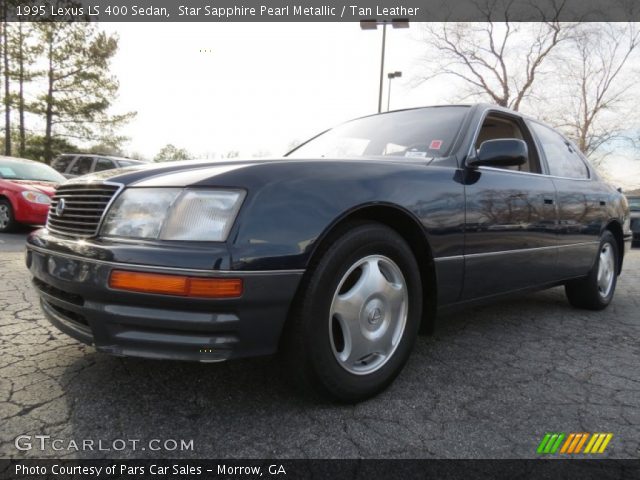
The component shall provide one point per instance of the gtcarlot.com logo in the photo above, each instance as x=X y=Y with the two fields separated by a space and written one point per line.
x=46 y=442
x=574 y=443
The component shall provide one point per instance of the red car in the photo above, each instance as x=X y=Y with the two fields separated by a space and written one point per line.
x=26 y=188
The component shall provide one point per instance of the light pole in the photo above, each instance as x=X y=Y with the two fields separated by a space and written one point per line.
x=373 y=25
x=391 y=76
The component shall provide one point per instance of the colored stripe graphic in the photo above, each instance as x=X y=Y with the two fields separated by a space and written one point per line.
x=605 y=442
x=551 y=442
x=543 y=443
x=581 y=443
x=565 y=447
x=574 y=444
x=556 y=445
x=598 y=443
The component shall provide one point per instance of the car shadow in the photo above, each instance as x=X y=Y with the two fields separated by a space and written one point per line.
x=234 y=408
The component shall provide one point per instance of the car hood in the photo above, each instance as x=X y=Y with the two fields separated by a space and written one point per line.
x=185 y=173
x=47 y=188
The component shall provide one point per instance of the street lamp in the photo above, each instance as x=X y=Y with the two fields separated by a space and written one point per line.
x=391 y=76
x=373 y=25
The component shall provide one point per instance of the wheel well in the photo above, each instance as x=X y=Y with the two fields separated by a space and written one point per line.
x=408 y=228
x=616 y=229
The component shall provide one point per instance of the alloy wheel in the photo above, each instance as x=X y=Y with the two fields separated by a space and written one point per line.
x=368 y=314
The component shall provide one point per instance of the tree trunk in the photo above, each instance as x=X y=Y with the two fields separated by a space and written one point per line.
x=7 y=91
x=21 y=89
x=49 y=109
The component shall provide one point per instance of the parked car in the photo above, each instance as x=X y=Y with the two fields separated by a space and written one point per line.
x=334 y=254
x=634 y=206
x=76 y=164
x=26 y=188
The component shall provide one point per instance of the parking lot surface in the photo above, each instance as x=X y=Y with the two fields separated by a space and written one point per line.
x=489 y=384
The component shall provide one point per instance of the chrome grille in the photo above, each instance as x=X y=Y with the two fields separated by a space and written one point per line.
x=84 y=205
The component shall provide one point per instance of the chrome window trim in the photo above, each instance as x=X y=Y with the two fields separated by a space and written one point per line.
x=494 y=169
x=506 y=170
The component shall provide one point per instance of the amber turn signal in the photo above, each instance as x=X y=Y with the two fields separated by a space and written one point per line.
x=201 y=287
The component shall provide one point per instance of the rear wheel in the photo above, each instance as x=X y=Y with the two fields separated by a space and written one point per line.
x=7 y=220
x=357 y=318
x=595 y=291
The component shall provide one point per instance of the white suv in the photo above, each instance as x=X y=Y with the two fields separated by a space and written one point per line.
x=75 y=164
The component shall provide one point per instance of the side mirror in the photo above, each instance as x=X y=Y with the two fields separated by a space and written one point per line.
x=501 y=152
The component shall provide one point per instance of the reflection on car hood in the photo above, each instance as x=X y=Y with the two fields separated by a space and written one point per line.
x=47 y=188
x=184 y=173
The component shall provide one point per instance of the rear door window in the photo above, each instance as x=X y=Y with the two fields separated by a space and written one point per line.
x=82 y=166
x=61 y=164
x=104 y=164
x=562 y=157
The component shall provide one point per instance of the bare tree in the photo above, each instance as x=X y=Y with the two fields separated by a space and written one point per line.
x=595 y=82
x=500 y=61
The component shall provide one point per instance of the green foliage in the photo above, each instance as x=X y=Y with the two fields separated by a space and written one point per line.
x=170 y=152
x=35 y=147
x=60 y=86
x=80 y=87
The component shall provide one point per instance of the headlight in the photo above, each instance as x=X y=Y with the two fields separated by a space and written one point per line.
x=36 y=197
x=173 y=214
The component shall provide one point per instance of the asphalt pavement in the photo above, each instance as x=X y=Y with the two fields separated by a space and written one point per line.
x=489 y=384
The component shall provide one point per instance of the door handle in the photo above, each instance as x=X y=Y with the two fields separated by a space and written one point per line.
x=549 y=201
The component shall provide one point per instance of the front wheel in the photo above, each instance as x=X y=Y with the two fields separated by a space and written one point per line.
x=356 y=320
x=7 y=220
x=595 y=291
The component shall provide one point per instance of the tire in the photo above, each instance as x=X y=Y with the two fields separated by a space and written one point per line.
x=370 y=269
x=595 y=291
x=7 y=219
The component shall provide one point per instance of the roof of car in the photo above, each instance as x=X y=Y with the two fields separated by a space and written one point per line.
x=19 y=160
x=100 y=155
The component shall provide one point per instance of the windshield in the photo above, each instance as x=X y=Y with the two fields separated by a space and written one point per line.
x=634 y=204
x=14 y=170
x=418 y=133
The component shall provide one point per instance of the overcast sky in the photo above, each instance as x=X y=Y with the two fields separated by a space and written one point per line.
x=258 y=87
x=215 y=87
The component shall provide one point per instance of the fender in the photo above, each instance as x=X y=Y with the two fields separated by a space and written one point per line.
x=290 y=206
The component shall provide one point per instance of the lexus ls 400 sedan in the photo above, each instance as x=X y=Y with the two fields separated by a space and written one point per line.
x=337 y=253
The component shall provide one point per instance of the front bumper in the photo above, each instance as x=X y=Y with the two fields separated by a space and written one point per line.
x=76 y=299
x=31 y=213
